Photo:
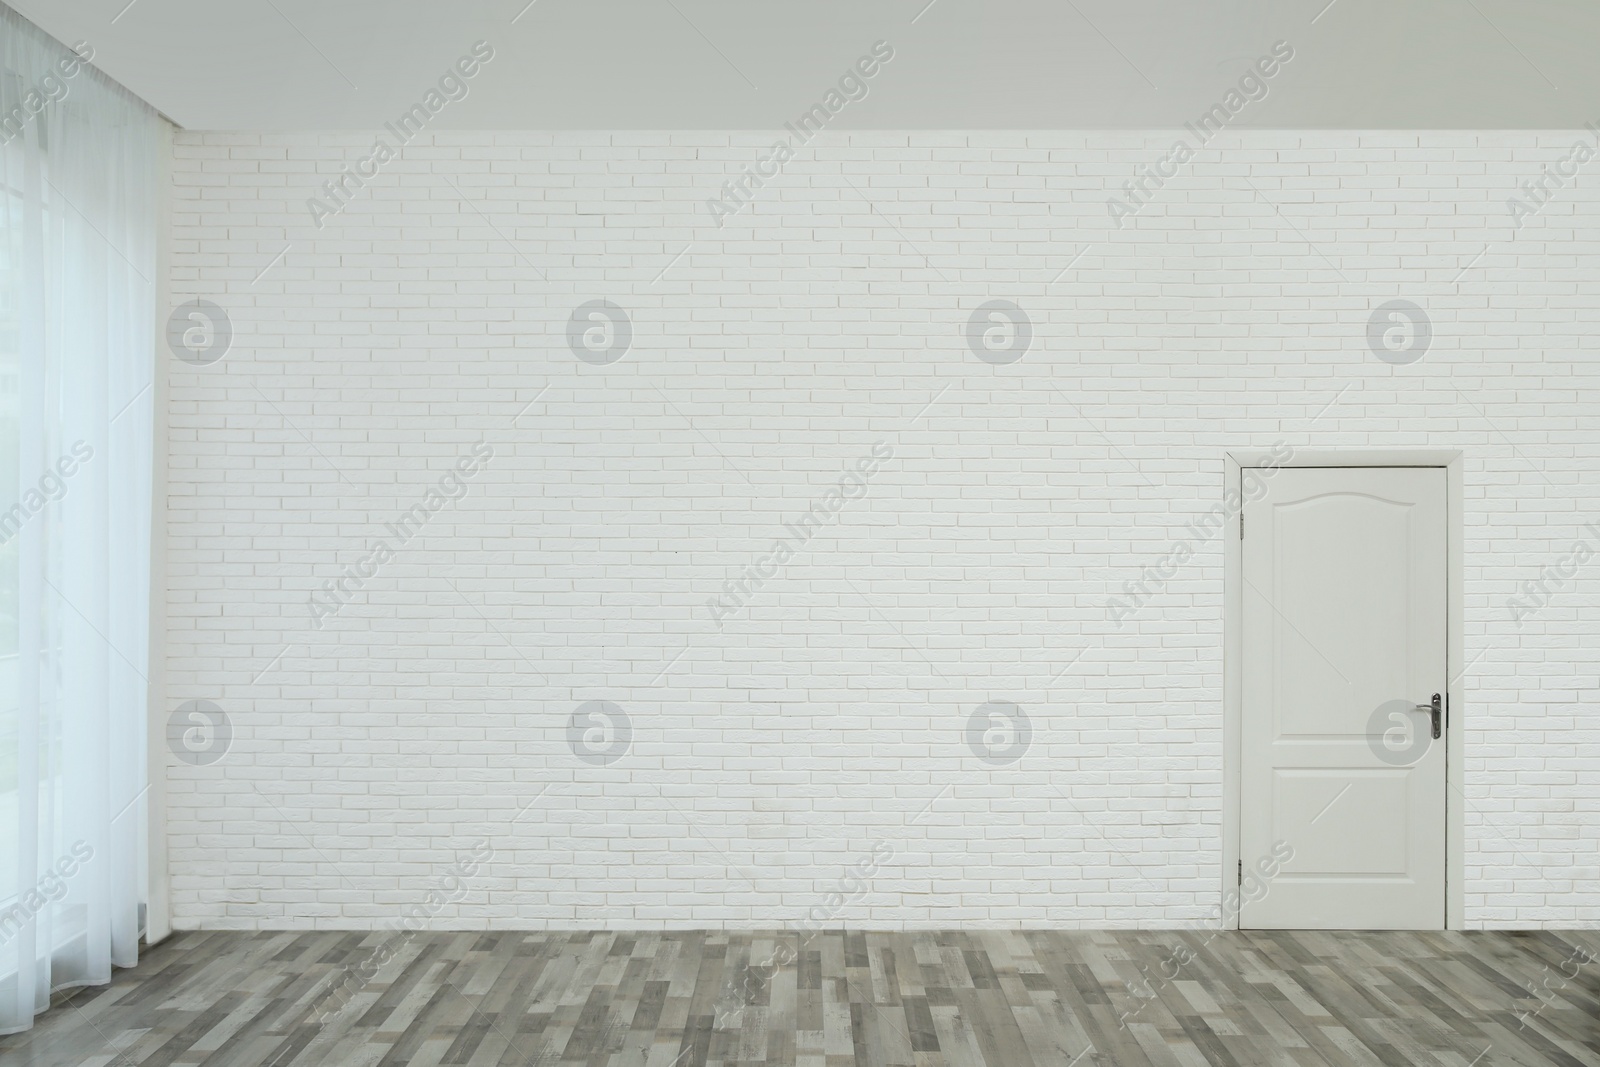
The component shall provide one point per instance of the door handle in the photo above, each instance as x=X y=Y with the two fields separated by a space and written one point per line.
x=1436 y=710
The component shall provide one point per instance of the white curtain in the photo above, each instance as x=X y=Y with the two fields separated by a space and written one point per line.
x=78 y=237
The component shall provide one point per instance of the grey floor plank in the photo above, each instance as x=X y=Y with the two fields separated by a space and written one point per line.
x=836 y=998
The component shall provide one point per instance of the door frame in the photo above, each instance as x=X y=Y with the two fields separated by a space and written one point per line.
x=1450 y=460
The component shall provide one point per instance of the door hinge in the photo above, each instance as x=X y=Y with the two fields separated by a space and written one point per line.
x=1240 y=879
x=1241 y=526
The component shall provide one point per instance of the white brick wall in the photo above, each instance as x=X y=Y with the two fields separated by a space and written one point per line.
x=769 y=756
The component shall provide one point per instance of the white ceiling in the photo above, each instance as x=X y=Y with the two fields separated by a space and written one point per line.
x=753 y=64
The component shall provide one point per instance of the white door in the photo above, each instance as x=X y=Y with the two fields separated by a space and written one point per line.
x=1344 y=636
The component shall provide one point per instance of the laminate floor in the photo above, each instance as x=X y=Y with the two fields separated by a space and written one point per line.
x=835 y=998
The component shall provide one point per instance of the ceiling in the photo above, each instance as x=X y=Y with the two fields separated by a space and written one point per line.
x=754 y=64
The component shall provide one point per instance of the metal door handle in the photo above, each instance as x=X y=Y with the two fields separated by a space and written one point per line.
x=1435 y=708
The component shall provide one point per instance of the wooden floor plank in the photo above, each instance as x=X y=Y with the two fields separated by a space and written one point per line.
x=836 y=998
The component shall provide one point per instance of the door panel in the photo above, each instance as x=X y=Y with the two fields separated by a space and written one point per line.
x=1344 y=632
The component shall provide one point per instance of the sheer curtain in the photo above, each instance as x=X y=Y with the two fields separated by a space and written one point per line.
x=80 y=168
